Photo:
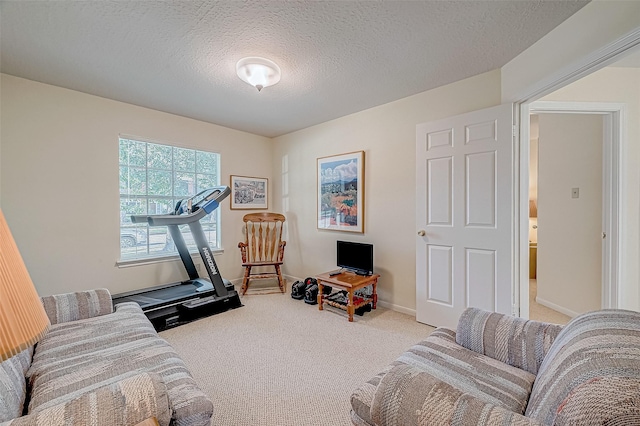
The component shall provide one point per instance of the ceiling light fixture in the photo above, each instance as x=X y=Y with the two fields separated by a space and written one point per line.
x=258 y=72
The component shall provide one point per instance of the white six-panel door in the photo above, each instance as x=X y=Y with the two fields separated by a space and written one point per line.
x=464 y=216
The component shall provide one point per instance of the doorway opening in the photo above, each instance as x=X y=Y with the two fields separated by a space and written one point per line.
x=569 y=171
x=580 y=254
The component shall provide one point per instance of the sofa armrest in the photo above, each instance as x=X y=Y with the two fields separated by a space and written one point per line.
x=444 y=333
x=515 y=341
x=76 y=306
x=130 y=307
x=124 y=403
x=409 y=396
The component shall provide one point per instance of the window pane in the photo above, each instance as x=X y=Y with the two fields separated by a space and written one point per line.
x=206 y=162
x=184 y=184
x=209 y=226
x=205 y=181
x=161 y=206
x=159 y=157
x=160 y=182
x=137 y=153
x=129 y=206
x=133 y=181
x=124 y=152
x=184 y=160
x=153 y=177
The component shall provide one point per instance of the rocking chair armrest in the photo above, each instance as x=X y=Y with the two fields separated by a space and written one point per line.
x=243 y=251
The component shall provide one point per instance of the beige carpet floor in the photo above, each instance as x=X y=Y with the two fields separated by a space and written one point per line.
x=279 y=361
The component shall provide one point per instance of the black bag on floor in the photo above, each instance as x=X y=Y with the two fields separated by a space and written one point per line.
x=311 y=294
x=309 y=290
x=297 y=290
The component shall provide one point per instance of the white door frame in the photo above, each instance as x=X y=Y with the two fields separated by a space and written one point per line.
x=614 y=115
x=575 y=71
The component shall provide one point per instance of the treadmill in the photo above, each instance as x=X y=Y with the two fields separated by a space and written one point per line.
x=175 y=304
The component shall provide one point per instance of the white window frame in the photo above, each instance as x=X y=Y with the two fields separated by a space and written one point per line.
x=158 y=256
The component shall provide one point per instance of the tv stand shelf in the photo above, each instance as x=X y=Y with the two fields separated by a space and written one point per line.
x=350 y=282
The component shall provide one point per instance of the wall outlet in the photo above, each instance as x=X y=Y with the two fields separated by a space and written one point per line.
x=575 y=192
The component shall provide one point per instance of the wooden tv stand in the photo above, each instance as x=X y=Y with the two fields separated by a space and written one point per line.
x=350 y=282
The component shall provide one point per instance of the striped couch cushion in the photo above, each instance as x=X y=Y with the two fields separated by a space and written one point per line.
x=124 y=403
x=515 y=341
x=80 y=356
x=591 y=374
x=486 y=379
x=13 y=384
x=76 y=306
x=478 y=375
x=362 y=398
x=409 y=396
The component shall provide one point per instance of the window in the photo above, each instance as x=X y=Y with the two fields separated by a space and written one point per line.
x=153 y=178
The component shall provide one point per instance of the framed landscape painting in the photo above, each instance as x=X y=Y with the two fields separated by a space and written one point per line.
x=341 y=192
x=249 y=193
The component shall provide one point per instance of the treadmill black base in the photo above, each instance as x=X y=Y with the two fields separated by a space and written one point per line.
x=185 y=306
x=183 y=313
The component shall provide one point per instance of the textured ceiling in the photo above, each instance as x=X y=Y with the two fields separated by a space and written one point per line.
x=337 y=57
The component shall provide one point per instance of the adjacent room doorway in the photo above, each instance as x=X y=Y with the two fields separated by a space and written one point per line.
x=570 y=170
x=579 y=255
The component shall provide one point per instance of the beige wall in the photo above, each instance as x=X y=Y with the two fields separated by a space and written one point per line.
x=569 y=269
x=387 y=135
x=619 y=85
x=593 y=27
x=67 y=251
x=59 y=189
x=60 y=185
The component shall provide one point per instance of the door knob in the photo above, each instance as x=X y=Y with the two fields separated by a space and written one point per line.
x=422 y=233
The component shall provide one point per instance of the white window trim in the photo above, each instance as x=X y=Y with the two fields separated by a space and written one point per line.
x=126 y=263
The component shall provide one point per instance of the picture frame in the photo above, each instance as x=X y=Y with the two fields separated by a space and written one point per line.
x=340 y=189
x=249 y=193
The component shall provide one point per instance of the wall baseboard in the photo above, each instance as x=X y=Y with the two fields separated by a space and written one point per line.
x=556 y=307
x=397 y=308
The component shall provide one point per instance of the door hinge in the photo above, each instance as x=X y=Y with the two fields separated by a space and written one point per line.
x=514 y=130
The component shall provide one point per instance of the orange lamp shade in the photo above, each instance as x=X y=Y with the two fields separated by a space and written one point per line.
x=23 y=320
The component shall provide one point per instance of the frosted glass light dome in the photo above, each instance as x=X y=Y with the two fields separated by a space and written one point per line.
x=258 y=72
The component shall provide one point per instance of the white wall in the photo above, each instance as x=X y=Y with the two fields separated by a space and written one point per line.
x=59 y=176
x=569 y=229
x=387 y=135
x=593 y=27
x=619 y=85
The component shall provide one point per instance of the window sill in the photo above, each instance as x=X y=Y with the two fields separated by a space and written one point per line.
x=127 y=263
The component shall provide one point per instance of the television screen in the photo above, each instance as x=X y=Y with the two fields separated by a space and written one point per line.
x=357 y=257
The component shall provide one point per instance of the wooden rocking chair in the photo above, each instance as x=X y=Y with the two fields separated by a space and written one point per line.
x=263 y=246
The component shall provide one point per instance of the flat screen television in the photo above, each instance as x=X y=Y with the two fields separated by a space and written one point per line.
x=356 y=257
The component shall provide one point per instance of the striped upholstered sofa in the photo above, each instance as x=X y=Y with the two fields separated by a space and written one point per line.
x=99 y=367
x=500 y=370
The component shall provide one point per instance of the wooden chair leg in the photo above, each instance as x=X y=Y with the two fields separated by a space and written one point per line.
x=245 y=279
x=280 y=279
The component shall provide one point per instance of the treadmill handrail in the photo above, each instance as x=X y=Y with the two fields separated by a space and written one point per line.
x=183 y=219
x=169 y=219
